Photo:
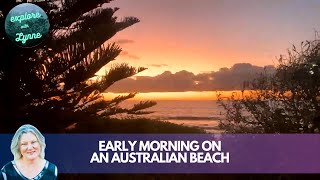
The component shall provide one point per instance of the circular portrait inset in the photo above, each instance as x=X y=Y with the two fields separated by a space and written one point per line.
x=27 y=25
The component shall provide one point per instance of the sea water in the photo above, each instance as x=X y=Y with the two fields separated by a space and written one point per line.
x=202 y=114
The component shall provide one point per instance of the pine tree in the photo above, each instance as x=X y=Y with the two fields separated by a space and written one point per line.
x=48 y=85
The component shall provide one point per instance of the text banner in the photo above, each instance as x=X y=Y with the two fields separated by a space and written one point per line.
x=179 y=153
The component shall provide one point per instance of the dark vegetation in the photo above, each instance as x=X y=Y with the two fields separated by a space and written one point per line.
x=287 y=101
x=135 y=125
x=55 y=85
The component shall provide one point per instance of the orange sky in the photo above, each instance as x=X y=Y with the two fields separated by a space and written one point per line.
x=155 y=96
x=206 y=35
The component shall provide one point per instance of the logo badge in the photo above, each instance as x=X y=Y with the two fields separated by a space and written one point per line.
x=27 y=25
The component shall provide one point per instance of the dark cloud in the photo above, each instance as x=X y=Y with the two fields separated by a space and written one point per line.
x=224 y=79
x=125 y=41
x=227 y=79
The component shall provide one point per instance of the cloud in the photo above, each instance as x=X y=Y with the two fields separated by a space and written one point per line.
x=224 y=79
x=133 y=57
x=128 y=55
x=233 y=78
x=125 y=41
x=124 y=53
x=158 y=65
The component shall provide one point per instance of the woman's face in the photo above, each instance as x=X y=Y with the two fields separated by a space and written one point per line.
x=29 y=146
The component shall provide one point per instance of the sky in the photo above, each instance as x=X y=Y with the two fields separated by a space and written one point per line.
x=191 y=42
x=206 y=35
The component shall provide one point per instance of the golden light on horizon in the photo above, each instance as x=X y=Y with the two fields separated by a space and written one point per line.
x=189 y=95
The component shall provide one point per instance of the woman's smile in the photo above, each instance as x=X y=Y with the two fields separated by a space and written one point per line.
x=29 y=146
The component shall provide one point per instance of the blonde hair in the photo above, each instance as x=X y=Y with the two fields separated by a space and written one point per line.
x=15 y=143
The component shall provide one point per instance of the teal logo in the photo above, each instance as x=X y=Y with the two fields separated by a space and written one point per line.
x=27 y=25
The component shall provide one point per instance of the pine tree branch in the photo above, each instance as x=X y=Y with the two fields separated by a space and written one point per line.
x=73 y=9
x=114 y=108
x=112 y=103
x=90 y=26
x=92 y=31
x=116 y=73
x=94 y=108
x=89 y=66
x=108 y=108
x=137 y=108
x=74 y=54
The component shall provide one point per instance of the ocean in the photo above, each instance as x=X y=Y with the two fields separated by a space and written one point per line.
x=203 y=114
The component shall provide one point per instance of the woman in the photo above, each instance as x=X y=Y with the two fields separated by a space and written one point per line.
x=28 y=146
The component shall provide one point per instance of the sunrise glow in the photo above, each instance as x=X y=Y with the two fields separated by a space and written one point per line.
x=191 y=95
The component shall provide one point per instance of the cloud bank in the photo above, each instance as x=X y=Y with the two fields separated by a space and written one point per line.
x=224 y=79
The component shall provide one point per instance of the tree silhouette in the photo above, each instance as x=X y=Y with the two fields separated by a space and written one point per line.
x=285 y=102
x=48 y=85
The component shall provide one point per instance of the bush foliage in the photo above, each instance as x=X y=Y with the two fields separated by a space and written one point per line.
x=286 y=101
